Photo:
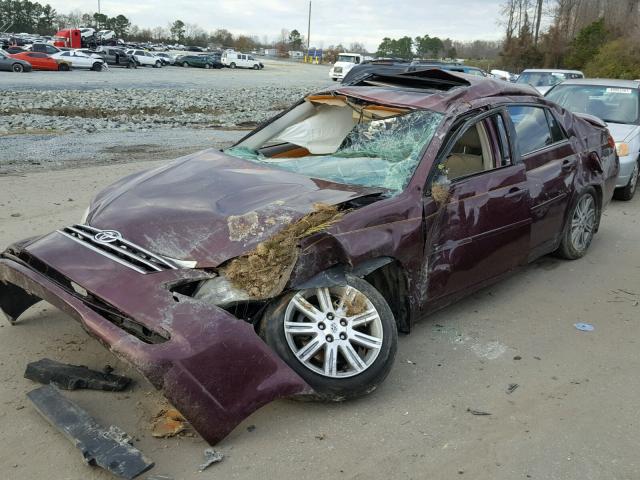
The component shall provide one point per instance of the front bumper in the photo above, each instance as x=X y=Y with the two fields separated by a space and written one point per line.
x=212 y=366
x=627 y=165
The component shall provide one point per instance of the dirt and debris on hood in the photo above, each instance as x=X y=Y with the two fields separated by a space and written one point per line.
x=264 y=272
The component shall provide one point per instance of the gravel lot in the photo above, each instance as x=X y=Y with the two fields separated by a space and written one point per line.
x=62 y=119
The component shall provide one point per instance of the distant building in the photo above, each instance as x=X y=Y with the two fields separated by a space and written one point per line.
x=296 y=54
x=270 y=52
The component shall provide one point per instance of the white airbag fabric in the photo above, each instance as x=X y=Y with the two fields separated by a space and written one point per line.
x=323 y=132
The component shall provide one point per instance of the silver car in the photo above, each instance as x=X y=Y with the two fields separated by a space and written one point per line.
x=617 y=102
x=544 y=79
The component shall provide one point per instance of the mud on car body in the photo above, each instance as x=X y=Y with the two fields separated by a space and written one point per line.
x=287 y=264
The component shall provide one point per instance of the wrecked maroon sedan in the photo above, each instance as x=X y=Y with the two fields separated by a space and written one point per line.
x=286 y=265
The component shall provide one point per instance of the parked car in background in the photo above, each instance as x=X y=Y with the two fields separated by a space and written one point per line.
x=144 y=58
x=344 y=64
x=201 y=61
x=44 y=48
x=193 y=48
x=115 y=56
x=617 y=102
x=80 y=60
x=9 y=64
x=240 y=60
x=165 y=58
x=42 y=61
x=543 y=79
x=15 y=49
x=297 y=255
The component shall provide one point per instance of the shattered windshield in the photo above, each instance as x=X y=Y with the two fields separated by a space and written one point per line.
x=377 y=153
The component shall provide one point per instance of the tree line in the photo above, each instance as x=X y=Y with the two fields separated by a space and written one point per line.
x=600 y=37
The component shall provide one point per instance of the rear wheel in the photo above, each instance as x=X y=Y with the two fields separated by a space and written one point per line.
x=63 y=67
x=341 y=340
x=256 y=67
x=207 y=66
x=582 y=222
x=17 y=68
x=96 y=67
x=158 y=64
x=185 y=64
x=627 y=193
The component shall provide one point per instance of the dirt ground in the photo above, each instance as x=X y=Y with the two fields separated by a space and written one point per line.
x=574 y=415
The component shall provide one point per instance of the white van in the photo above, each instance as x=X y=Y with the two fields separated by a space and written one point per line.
x=240 y=60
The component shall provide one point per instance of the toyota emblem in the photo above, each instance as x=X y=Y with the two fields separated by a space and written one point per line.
x=107 y=236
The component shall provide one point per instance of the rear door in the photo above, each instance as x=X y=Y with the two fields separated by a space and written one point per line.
x=482 y=225
x=550 y=161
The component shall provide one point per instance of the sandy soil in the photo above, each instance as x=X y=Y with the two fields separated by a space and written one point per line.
x=573 y=416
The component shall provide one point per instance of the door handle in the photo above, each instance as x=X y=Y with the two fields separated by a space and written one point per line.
x=513 y=192
x=567 y=165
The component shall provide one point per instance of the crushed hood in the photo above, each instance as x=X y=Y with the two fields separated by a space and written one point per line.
x=210 y=207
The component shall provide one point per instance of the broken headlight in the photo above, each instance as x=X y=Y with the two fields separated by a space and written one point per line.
x=219 y=291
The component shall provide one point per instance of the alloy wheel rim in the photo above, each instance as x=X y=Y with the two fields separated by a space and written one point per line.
x=583 y=223
x=335 y=332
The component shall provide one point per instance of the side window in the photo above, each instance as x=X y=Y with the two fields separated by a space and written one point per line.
x=479 y=149
x=532 y=128
x=65 y=54
x=557 y=135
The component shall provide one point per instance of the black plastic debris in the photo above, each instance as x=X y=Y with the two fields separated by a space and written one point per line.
x=211 y=456
x=479 y=413
x=109 y=448
x=74 y=377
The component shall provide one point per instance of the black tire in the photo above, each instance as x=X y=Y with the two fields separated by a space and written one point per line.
x=570 y=249
x=256 y=67
x=63 y=67
x=627 y=193
x=207 y=66
x=185 y=64
x=335 y=79
x=96 y=67
x=17 y=68
x=232 y=65
x=327 y=388
x=158 y=64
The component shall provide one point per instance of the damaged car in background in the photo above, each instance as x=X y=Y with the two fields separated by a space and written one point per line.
x=286 y=265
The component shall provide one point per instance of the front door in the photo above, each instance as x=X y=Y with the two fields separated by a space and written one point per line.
x=482 y=223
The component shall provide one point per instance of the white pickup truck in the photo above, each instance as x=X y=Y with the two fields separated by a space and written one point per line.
x=344 y=63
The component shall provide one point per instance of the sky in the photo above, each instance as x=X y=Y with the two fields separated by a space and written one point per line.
x=332 y=21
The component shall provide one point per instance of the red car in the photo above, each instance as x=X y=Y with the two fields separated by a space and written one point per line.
x=41 y=61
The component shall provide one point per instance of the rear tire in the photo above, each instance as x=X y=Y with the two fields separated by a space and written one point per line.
x=207 y=66
x=96 y=67
x=63 y=67
x=158 y=64
x=256 y=67
x=17 y=68
x=326 y=350
x=582 y=221
x=185 y=64
x=627 y=193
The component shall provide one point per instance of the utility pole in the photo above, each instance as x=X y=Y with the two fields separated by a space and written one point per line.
x=309 y=29
x=98 y=6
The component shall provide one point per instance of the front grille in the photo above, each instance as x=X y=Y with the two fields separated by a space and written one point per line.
x=118 y=249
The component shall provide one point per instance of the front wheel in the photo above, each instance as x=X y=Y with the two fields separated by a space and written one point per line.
x=157 y=65
x=627 y=193
x=256 y=67
x=582 y=222
x=185 y=64
x=341 y=340
x=96 y=67
x=17 y=68
x=207 y=66
x=232 y=65
x=63 y=67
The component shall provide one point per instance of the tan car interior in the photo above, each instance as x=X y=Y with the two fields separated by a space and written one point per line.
x=471 y=154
